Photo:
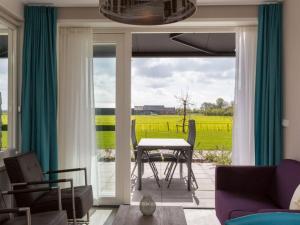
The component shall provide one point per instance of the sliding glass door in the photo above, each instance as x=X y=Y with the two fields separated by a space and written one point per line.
x=110 y=114
x=8 y=89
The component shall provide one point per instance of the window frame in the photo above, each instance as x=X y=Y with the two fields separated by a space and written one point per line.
x=12 y=107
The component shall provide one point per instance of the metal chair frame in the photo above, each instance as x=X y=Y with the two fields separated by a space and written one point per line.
x=146 y=156
x=70 y=181
x=179 y=155
x=27 y=209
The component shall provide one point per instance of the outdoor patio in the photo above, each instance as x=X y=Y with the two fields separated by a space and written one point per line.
x=177 y=194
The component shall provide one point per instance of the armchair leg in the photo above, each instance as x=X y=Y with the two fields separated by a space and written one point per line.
x=73 y=205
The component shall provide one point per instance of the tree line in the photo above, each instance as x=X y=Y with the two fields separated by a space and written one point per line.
x=218 y=108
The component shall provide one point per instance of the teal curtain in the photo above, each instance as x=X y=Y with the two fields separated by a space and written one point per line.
x=268 y=93
x=39 y=86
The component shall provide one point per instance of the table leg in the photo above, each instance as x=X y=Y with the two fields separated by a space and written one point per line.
x=181 y=170
x=190 y=156
x=139 y=160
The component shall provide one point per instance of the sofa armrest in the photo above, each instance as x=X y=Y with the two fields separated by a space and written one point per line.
x=244 y=179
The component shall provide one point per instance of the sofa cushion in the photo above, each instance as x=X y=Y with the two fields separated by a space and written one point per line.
x=47 y=218
x=285 y=182
x=267 y=218
x=83 y=201
x=25 y=168
x=278 y=210
x=230 y=205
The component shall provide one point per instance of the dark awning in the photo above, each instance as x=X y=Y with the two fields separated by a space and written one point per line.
x=3 y=46
x=178 y=45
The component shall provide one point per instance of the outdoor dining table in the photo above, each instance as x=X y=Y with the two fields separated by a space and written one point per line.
x=151 y=144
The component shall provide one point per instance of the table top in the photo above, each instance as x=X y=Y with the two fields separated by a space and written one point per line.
x=163 y=143
x=164 y=215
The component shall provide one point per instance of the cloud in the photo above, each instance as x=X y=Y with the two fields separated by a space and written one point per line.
x=205 y=79
x=3 y=66
x=157 y=81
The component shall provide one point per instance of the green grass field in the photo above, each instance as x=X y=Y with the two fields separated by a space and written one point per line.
x=4 y=140
x=213 y=132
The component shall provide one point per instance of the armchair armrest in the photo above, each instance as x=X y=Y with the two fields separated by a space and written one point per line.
x=244 y=179
x=70 y=170
x=44 y=182
x=55 y=182
x=14 y=210
x=20 y=191
x=18 y=210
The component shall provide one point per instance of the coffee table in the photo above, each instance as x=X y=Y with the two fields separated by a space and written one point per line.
x=164 y=215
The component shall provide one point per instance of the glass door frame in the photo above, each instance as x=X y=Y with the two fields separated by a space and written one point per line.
x=12 y=111
x=122 y=114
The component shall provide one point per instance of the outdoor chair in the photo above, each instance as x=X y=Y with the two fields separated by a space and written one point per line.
x=23 y=216
x=147 y=157
x=181 y=156
x=24 y=171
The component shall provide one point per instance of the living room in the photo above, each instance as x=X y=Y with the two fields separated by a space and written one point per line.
x=51 y=166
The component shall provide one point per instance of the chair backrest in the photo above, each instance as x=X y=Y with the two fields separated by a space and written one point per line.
x=3 y=217
x=133 y=135
x=285 y=182
x=25 y=168
x=192 y=133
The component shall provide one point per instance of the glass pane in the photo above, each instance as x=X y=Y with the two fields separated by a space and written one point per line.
x=104 y=64
x=3 y=91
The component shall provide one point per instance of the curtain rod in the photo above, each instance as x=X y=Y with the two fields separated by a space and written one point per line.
x=40 y=4
x=272 y=2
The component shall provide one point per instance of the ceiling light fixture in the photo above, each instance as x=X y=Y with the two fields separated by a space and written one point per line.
x=147 y=12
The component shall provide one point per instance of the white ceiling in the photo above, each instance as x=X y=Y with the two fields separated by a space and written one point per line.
x=93 y=3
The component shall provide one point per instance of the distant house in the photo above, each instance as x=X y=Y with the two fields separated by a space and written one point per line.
x=154 y=109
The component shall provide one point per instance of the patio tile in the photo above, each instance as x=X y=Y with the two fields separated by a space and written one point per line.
x=177 y=194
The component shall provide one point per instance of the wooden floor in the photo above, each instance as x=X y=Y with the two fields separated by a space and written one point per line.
x=105 y=216
x=177 y=194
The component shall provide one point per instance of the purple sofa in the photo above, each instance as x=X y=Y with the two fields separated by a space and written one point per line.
x=245 y=190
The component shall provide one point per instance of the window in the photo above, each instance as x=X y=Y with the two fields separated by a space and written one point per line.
x=8 y=88
x=105 y=101
x=4 y=90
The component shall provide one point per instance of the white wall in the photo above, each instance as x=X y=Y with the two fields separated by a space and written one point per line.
x=14 y=7
x=203 y=12
x=291 y=45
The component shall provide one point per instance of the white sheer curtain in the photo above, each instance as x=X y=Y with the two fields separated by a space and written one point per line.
x=76 y=119
x=243 y=152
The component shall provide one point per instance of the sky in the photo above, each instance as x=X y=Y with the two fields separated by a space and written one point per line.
x=157 y=81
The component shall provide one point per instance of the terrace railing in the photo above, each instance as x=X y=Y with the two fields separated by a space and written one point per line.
x=176 y=127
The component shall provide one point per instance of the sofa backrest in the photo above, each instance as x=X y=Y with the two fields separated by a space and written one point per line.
x=285 y=182
x=25 y=168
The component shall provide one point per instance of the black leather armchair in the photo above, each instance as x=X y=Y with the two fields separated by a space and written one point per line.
x=25 y=171
x=57 y=217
